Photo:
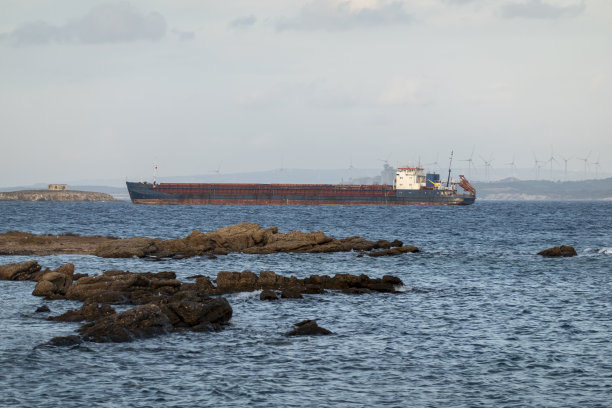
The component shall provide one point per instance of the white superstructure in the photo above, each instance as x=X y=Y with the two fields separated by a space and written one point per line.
x=413 y=178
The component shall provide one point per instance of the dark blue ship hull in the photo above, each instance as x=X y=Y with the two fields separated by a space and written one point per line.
x=290 y=194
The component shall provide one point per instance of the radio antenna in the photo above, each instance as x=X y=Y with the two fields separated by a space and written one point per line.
x=449 y=169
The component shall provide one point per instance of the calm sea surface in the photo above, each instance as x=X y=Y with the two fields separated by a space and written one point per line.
x=482 y=320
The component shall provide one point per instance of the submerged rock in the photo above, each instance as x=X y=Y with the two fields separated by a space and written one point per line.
x=65 y=341
x=394 y=251
x=560 y=251
x=268 y=294
x=308 y=328
x=291 y=293
x=43 y=309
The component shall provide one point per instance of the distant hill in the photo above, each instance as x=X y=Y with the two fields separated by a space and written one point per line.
x=513 y=189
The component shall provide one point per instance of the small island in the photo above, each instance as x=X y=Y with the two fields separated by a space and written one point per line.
x=55 y=194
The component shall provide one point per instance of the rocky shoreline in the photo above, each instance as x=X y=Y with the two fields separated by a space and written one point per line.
x=163 y=304
x=244 y=237
x=57 y=196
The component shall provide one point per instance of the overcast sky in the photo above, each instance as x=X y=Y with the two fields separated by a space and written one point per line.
x=99 y=90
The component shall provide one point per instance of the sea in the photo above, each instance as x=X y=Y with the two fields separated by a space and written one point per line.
x=481 y=321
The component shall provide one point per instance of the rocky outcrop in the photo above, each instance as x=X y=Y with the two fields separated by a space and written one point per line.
x=244 y=237
x=308 y=328
x=188 y=310
x=24 y=243
x=291 y=287
x=29 y=270
x=121 y=287
x=55 y=284
x=560 y=251
x=50 y=195
x=196 y=311
x=140 y=322
x=164 y=304
x=90 y=311
x=129 y=248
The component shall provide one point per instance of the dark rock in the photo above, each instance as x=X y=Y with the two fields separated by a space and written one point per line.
x=313 y=289
x=228 y=282
x=89 y=311
x=204 y=285
x=140 y=322
x=190 y=309
x=115 y=287
x=382 y=244
x=307 y=328
x=291 y=293
x=129 y=247
x=394 y=251
x=268 y=294
x=43 y=309
x=356 y=291
x=55 y=284
x=78 y=276
x=560 y=251
x=65 y=341
x=243 y=237
x=29 y=270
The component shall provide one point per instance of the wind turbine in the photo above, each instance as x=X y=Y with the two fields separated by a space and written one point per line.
x=470 y=162
x=596 y=164
x=565 y=167
x=551 y=160
x=487 y=165
x=586 y=163
x=537 y=165
x=512 y=165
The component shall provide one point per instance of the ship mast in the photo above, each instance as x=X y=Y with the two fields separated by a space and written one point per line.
x=154 y=174
x=449 y=169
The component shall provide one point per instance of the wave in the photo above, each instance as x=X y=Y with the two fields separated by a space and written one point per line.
x=602 y=251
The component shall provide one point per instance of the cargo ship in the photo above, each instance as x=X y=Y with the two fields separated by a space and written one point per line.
x=411 y=185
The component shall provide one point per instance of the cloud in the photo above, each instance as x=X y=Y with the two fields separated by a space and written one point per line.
x=542 y=10
x=346 y=15
x=106 y=23
x=243 y=22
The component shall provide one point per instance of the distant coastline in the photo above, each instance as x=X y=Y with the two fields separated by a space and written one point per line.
x=56 y=196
